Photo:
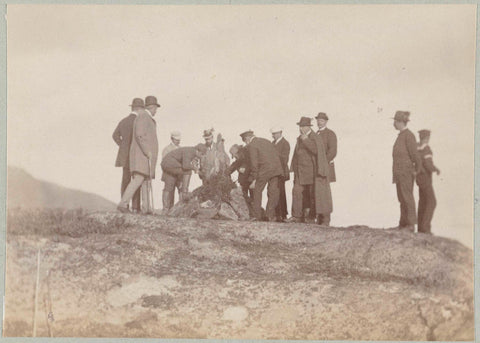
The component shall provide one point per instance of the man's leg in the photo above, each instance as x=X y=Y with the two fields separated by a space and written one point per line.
x=134 y=184
x=430 y=204
x=421 y=208
x=281 y=209
x=126 y=178
x=403 y=210
x=257 y=198
x=273 y=194
x=297 y=200
x=168 y=189
x=323 y=200
x=145 y=191
x=405 y=186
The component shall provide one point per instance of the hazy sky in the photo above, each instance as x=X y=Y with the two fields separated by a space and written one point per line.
x=73 y=71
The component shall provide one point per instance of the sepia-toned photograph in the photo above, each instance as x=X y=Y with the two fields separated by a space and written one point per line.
x=287 y=172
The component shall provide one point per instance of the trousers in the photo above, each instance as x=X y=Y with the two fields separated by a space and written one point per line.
x=426 y=206
x=272 y=194
x=407 y=201
x=126 y=178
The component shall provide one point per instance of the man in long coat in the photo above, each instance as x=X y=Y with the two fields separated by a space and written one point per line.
x=283 y=149
x=426 y=200
x=311 y=189
x=179 y=164
x=265 y=169
x=123 y=137
x=143 y=155
x=329 y=139
x=168 y=197
x=406 y=162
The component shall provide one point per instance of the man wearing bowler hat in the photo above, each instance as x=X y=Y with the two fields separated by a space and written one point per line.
x=143 y=155
x=283 y=149
x=311 y=190
x=406 y=162
x=168 y=197
x=265 y=168
x=426 y=199
x=330 y=143
x=123 y=137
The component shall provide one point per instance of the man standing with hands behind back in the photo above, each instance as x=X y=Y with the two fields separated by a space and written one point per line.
x=123 y=137
x=329 y=139
x=143 y=155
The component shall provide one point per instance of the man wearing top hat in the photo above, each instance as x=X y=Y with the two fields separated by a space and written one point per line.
x=143 y=155
x=123 y=137
x=309 y=165
x=426 y=200
x=406 y=162
x=283 y=149
x=265 y=168
x=168 y=197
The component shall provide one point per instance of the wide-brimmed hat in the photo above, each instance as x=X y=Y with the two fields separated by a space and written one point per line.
x=176 y=135
x=151 y=100
x=402 y=116
x=247 y=133
x=321 y=115
x=137 y=102
x=305 y=121
x=424 y=134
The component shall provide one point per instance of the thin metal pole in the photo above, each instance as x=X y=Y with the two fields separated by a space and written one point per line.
x=36 y=296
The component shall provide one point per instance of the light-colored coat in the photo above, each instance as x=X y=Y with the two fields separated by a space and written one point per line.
x=144 y=142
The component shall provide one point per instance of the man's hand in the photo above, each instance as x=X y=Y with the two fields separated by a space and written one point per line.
x=252 y=185
x=437 y=171
x=241 y=170
x=149 y=155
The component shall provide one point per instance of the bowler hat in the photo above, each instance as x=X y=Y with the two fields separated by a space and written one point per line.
x=202 y=148
x=321 y=115
x=137 y=102
x=247 y=133
x=402 y=116
x=305 y=121
x=151 y=100
x=424 y=134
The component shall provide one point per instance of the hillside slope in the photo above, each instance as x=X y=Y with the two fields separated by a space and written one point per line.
x=116 y=275
x=27 y=192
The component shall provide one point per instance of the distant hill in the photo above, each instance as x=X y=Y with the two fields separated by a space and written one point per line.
x=24 y=191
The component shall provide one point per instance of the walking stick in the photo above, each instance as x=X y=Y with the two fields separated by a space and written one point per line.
x=34 y=334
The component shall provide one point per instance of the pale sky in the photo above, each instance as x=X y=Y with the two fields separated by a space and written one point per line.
x=73 y=70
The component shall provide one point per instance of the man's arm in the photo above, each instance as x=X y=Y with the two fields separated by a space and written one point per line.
x=187 y=157
x=428 y=162
x=141 y=133
x=117 y=136
x=413 y=152
x=253 y=159
x=309 y=143
x=332 y=146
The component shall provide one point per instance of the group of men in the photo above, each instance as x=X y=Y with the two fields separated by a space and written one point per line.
x=263 y=163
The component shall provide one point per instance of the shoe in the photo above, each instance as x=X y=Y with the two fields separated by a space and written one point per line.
x=294 y=220
x=123 y=209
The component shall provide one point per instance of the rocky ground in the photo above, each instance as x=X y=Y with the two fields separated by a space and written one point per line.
x=120 y=275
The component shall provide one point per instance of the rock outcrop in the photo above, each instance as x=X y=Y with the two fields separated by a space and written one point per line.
x=121 y=275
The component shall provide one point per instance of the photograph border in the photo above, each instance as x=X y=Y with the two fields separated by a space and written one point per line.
x=3 y=139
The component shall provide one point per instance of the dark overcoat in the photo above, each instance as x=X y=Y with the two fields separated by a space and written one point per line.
x=329 y=139
x=264 y=159
x=123 y=137
x=283 y=149
x=144 y=142
x=179 y=161
x=405 y=155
